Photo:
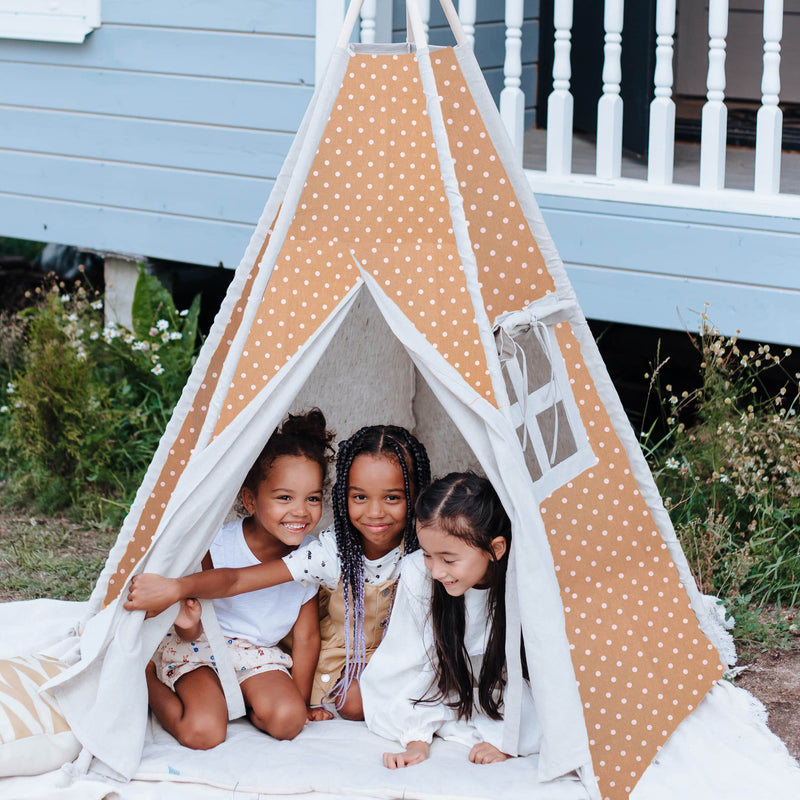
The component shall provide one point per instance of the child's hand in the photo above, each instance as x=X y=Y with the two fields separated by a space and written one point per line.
x=152 y=593
x=485 y=753
x=318 y=714
x=416 y=753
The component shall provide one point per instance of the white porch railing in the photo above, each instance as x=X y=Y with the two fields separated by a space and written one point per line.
x=658 y=187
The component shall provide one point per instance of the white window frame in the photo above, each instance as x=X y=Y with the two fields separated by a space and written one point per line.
x=49 y=20
x=555 y=391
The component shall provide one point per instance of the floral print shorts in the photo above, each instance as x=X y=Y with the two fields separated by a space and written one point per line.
x=175 y=657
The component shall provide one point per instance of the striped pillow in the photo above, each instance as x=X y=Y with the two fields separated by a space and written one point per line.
x=34 y=737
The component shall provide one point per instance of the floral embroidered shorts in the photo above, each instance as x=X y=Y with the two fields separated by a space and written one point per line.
x=176 y=657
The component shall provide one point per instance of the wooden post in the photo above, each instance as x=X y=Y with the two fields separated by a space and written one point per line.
x=121 y=274
x=714 y=135
x=368 y=14
x=512 y=98
x=661 y=145
x=769 y=121
x=467 y=13
x=329 y=20
x=560 y=102
x=609 y=108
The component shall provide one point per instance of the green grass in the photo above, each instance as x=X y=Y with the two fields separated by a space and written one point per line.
x=50 y=558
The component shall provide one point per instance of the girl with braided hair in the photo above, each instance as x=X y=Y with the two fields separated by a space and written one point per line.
x=380 y=470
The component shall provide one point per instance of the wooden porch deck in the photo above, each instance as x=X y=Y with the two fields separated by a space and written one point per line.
x=739 y=173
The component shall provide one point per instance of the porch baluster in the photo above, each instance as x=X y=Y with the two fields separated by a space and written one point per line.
x=368 y=13
x=467 y=13
x=560 y=102
x=769 y=121
x=609 y=108
x=512 y=98
x=661 y=146
x=714 y=133
x=425 y=13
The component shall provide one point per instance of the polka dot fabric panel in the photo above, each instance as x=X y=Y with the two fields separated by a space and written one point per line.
x=511 y=269
x=179 y=453
x=375 y=188
x=640 y=659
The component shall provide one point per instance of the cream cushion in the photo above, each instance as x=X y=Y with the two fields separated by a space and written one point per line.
x=34 y=737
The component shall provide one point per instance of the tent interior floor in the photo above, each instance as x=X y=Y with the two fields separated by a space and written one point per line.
x=723 y=750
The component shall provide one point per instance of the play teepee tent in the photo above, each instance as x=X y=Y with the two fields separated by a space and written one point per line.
x=401 y=272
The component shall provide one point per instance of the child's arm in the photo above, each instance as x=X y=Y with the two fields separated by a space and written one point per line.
x=305 y=653
x=154 y=593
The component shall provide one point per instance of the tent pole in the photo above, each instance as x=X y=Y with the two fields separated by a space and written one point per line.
x=353 y=10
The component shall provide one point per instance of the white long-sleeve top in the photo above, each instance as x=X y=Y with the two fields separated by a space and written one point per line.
x=401 y=671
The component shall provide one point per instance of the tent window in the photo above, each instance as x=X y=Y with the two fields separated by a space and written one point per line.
x=556 y=448
x=48 y=21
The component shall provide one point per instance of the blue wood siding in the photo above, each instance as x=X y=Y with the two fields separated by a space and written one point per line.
x=162 y=133
x=657 y=266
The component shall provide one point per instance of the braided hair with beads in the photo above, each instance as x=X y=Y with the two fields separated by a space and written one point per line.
x=390 y=441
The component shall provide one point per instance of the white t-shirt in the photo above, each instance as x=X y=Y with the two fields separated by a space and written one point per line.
x=318 y=564
x=264 y=616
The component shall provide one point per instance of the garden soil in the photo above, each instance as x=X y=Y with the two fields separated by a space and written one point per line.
x=773 y=676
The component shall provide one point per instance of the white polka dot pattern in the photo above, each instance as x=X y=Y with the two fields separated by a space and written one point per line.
x=640 y=658
x=180 y=451
x=375 y=187
x=511 y=269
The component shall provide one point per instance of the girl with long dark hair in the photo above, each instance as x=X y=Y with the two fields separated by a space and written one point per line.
x=441 y=668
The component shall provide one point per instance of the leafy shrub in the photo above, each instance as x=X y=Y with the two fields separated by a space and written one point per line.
x=83 y=404
x=726 y=458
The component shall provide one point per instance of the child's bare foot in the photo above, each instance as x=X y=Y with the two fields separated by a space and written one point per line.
x=187 y=623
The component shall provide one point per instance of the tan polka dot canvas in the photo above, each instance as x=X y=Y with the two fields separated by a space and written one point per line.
x=403 y=185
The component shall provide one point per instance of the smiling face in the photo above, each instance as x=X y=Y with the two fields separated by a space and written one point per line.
x=455 y=563
x=287 y=504
x=376 y=503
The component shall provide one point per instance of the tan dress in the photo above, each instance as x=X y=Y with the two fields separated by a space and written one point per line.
x=377 y=603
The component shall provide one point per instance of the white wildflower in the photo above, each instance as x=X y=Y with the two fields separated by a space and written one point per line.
x=65 y=298
x=724 y=479
x=175 y=335
x=157 y=369
x=183 y=313
x=94 y=335
x=72 y=318
x=152 y=332
x=97 y=305
x=165 y=336
x=140 y=346
x=162 y=324
x=4 y=409
x=672 y=463
x=10 y=388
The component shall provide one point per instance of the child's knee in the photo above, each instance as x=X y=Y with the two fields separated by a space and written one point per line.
x=352 y=708
x=201 y=732
x=281 y=720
